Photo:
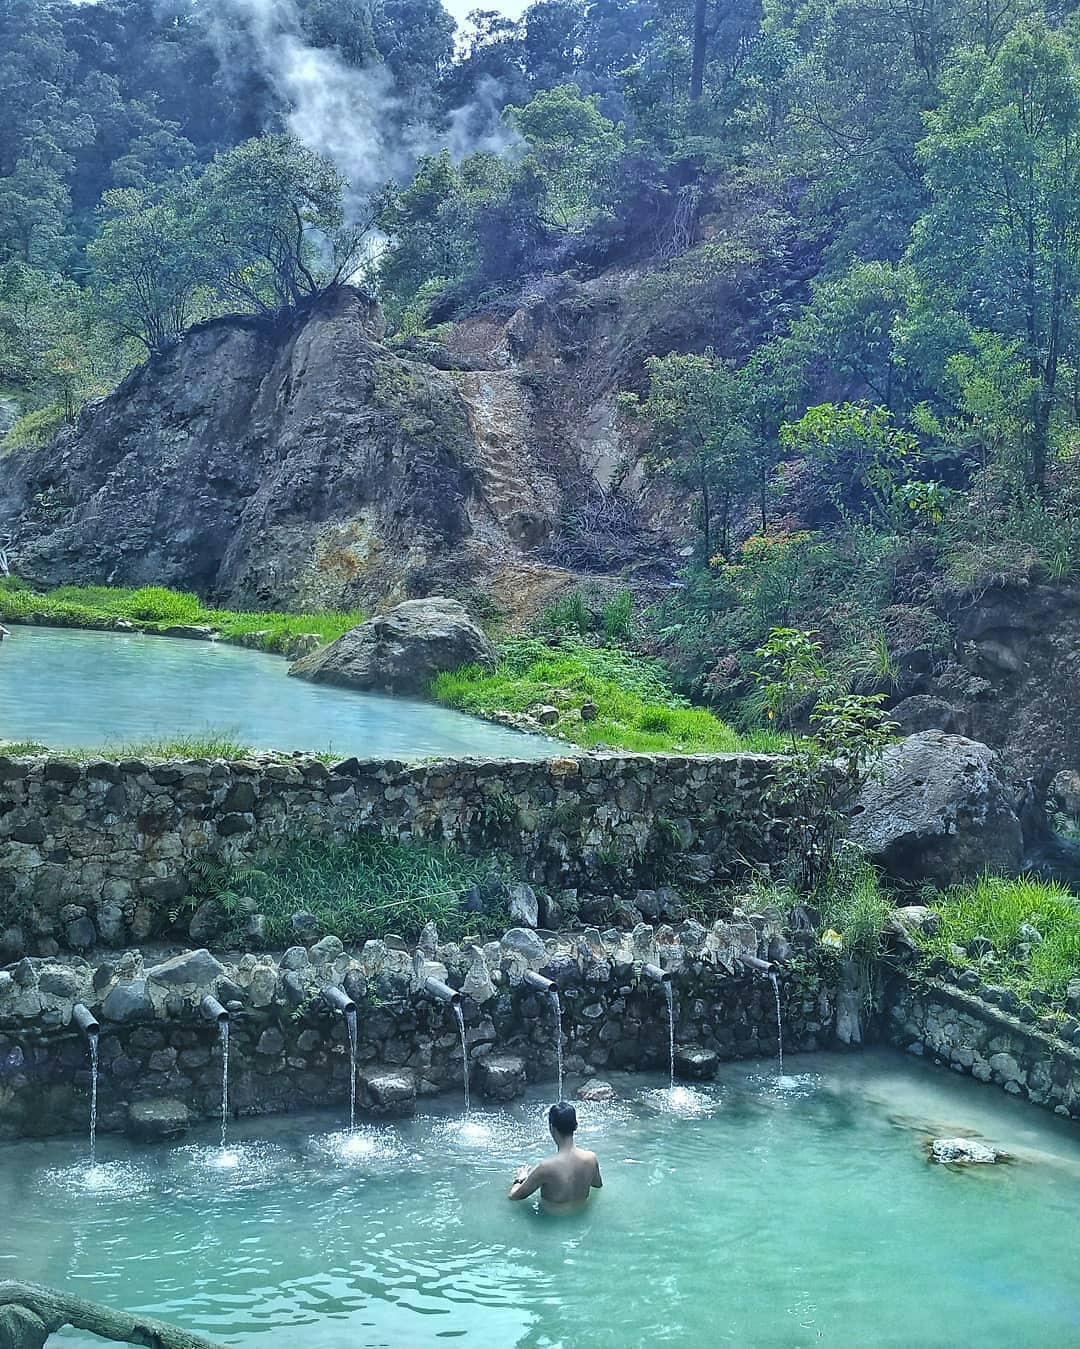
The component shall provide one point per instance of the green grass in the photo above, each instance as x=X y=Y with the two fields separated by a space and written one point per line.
x=636 y=707
x=208 y=744
x=996 y=908
x=158 y=607
x=365 y=887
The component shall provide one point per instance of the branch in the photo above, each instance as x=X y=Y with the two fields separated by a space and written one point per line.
x=50 y=1309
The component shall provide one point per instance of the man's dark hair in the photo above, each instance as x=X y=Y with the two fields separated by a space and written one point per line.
x=563 y=1118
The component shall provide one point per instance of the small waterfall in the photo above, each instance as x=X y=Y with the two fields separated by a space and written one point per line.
x=464 y=1052
x=554 y=996
x=223 y=1031
x=779 y=1020
x=670 y=996
x=350 y=1022
x=92 y=1041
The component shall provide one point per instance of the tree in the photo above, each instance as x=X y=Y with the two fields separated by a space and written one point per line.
x=148 y=263
x=698 y=439
x=573 y=148
x=270 y=224
x=1002 y=232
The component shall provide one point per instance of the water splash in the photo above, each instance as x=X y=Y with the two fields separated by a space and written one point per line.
x=553 y=994
x=223 y=1031
x=350 y=1022
x=670 y=996
x=464 y=1052
x=92 y=1042
x=779 y=1022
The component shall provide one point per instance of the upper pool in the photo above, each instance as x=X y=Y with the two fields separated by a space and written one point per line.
x=780 y=1217
x=71 y=689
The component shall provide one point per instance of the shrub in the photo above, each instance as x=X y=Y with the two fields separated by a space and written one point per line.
x=34 y=429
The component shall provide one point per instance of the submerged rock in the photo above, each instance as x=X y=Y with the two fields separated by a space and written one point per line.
x=158 y=1120
x=387 y=1091
x=403 y=650
x=694 y=1063
x=597 y=1091
x=964 y=1150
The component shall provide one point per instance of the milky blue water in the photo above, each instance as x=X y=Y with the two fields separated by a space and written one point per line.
x=781 y=1216
x=71 y=689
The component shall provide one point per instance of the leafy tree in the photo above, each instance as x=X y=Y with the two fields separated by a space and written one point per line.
x=1002 y=232
x=697 y=437
x=573 y=148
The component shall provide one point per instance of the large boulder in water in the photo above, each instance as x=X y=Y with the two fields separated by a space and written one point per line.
x=938 y=811
x=403 y=650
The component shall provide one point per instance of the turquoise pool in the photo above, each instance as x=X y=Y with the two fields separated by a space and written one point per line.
x=795 y=1214
x=72 y=689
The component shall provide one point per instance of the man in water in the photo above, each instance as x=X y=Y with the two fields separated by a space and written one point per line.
x=565 y=1180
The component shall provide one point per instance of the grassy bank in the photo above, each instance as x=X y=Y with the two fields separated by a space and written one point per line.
x=636 y=708
x=364 y=888
x=207 y=745
x=153 y=608
x=1032 y=927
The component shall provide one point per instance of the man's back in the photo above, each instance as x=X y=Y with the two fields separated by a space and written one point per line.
x=565 y=1180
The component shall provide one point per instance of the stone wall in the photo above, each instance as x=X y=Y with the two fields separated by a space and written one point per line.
x=973 y=1036
x=100 y=853
x=161 y=1059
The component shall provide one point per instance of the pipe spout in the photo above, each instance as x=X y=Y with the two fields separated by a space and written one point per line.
x=435 y=988
x=538 y=981
x=213 y=1010
x=338 y=1000
x=82 y=1017
x=755 y=964
x=655 y=974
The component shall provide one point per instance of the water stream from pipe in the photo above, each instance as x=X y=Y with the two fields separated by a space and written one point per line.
x=464 y=1052
x=670 y=996
x=223 y=1031
x=92 y=1041
x=779 y=1020
x=350 y=1022
x=553 y=994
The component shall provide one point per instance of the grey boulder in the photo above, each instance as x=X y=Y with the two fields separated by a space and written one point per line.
x=401 y=651
x=938 y=812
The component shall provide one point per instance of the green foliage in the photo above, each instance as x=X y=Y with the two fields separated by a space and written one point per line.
x=361 y=888
x=34 y=428
x=636 y=708
x=815 y=782
x=853 y=903
x=617 y=619
x=1033 y=927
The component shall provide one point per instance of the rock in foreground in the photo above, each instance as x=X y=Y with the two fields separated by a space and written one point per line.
x=938 y=812
x=963 y=1150
x=401 y=651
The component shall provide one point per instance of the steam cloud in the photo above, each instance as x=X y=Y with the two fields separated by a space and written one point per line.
x=356 y=117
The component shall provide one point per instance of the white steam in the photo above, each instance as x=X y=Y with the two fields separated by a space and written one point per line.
x=355 y=116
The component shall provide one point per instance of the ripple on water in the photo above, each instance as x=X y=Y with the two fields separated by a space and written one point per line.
x=685 y=1102
x=786 y=1086
x=368 y=1146
x=245 y=1165
x=110 y=1180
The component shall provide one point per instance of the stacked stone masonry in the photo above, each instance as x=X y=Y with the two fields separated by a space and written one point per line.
x=289 y=1051
x=972 y=1036
x=100 y=853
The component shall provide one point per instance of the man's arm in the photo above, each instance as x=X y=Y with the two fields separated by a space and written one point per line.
x=527 y=1182
x=597 y=1182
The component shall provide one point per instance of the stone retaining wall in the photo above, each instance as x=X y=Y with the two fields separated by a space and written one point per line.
x=288 y=1051
x=972 y=1036
x=100 y=853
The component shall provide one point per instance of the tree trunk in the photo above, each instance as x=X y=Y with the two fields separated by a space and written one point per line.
x=28 y=1309
x=697 y=63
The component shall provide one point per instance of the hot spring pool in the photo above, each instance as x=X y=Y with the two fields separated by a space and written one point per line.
x=789 y=1217
x=70 y=689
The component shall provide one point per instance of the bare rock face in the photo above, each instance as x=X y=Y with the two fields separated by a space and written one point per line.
x=939 y=812
x=401 y=651
x=287 y=461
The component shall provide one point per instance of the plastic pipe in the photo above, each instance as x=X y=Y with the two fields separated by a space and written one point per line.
x=212 y=1009
x=82 y=1016
x=337 y=999
x=441 y=992
x=538 y=981
x=756 y=964
x=655 y=974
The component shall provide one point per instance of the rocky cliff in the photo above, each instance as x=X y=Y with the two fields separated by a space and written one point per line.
x=301 y=462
